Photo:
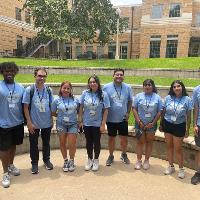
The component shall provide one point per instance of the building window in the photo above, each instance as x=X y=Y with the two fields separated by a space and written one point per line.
x=78 y=51
x=157 y=11
x=198 y=19
x=19 y=41
x=172 y=44
x=175 y=10
x=111 y=51
x=27 y=17
x=18 y=14
x=123 y=50
x=155 y=46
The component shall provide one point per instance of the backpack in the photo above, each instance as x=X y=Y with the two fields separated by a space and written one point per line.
x=32 y=90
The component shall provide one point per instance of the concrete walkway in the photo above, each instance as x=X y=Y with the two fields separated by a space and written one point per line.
x=118 y=182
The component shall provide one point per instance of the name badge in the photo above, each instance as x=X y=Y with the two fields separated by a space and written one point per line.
x=147 y=115
x=173 y=118
x=118 y=104
x=66 y=119
x=11 y=105
x=92 y=112
x=42 y=107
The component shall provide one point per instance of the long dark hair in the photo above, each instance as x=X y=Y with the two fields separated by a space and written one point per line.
x=171 y=91
x=150 y=81
x=99 y=90
x=70 y=85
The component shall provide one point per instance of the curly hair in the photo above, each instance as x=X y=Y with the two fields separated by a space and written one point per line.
x=8 y=66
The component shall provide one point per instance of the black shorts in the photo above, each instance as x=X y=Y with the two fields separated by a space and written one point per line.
x=11 y=136
x=121 y=128
x=177 y=130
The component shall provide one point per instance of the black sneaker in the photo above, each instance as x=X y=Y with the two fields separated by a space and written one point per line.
x=34 y=169
x=110 y=160
x=48 y=165
x=196 y=178
x=124 y=158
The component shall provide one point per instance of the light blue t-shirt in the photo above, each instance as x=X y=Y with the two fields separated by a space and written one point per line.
x=119 y=97
x=93 y=108
x=40 y=111
x=11 y=104
x=147 y=106
x=196 y=101
x=177 y=108
x=66 y=109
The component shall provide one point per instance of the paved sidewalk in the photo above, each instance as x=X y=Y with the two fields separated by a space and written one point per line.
x=118 y=182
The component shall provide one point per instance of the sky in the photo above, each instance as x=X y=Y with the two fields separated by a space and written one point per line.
x=125 y=2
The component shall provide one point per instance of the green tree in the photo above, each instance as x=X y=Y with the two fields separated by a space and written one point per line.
x=87 y=20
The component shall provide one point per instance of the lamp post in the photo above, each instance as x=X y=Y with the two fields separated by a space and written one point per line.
x=118 y=11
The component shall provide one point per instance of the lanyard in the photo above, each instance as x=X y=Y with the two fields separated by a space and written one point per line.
x=118 y=94
x=175 y=108
x=147 y=104
x=40 y=97
x=93 y=98
x=66 y=107
x=11 y=92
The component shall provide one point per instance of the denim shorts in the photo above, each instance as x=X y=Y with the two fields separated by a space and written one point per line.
x=151 y=130
x=66 y=128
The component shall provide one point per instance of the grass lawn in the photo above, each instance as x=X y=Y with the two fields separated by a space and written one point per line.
x=162 y=81
x=175 y=63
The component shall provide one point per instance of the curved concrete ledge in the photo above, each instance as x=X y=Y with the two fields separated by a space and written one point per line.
x=159 y=148
x=177 y=73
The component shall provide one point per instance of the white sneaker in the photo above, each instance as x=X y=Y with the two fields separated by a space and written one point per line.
x=88 y=165
x=13 y=170
x=181 y=173
x=169 y=170
x=71 y=165
x=146 y=164
x=6 y=180
x=95 y=165
x=138 y=164
x=65 y=166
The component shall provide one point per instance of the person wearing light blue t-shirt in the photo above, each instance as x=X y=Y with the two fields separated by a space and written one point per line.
x=147 y=108
x=65 y=108
x=94 y=104
x=175 y=123
x=11 y=120
x=37 y=100
x=196 y=103
x=120 y=96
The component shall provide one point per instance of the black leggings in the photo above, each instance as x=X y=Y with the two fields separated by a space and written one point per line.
x=93 y=136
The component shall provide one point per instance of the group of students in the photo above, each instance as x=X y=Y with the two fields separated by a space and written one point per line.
x=95 y=109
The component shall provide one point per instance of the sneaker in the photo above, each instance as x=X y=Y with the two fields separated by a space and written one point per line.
x=48 y=165
x=124 y=158
x=34 y=169
x=65 y=166
x=6 y=180
x=71 y=165
x=13 y=170
x=95 y=165
x=181 y=173
x=196 y=178
x=89 y=164
x=110 y=160
x=138 y=164
x=169 y=170
x=146 y=165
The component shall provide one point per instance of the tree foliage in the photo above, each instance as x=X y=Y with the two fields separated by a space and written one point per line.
x=86 y=20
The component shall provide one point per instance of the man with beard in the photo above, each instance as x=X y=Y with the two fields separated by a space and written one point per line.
x=37 y=100
x=120 y=96
x=11 y=119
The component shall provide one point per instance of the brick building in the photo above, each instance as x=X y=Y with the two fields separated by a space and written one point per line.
x=157 y=28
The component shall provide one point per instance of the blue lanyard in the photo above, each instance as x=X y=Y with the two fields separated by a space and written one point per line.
x=40 y=97
x=118 y=94
x=10 y=92
x=63 y=100
x=93 y=98
x=175 y=108
x=147 y=104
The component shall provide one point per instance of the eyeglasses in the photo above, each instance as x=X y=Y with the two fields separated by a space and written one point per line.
x=147 y=84
x=119 y=74
x=41 y=76
x=176 y=86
